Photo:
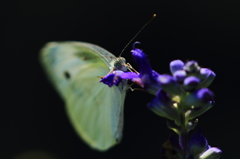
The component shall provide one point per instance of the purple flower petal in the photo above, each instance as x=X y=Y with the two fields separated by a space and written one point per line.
x=129 y=75
x=108 y=79
x=147 y=75
x=133 y=77
x=142 y=61
x=112 y=78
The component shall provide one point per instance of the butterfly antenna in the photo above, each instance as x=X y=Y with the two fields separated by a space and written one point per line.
x=154 y=15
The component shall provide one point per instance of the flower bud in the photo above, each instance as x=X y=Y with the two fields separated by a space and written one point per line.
x=180 y=75
x=191 y=67
x=169 y=84
x=206 y=76
x=190 y=83
x=198 y=98
x=197 y=144
x=176 y=65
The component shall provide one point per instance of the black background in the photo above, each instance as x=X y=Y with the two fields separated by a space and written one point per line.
x=32 y=115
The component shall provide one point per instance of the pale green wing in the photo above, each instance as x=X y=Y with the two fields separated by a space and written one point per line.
x=95 y=110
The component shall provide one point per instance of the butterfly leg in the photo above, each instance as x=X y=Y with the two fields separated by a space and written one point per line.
x=130 y=68
x=111 y=71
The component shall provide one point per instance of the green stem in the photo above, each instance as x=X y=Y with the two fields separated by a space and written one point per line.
x=183 y=137
x=183 y=140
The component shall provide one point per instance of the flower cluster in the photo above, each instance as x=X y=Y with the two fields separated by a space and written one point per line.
x=180 y=98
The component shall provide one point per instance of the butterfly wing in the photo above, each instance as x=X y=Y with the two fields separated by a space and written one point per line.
x=94 y=109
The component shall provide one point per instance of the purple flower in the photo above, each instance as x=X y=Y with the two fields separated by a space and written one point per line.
x=112 y=78
x=140 y=58
x=147 y=78
x=147 y=75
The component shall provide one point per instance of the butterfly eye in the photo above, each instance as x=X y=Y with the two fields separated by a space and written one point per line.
x=123 y=60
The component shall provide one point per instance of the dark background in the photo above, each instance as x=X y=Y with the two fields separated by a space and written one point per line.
x=32 y=115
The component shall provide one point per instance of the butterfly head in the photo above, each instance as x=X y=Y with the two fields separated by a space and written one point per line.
x=120 y=64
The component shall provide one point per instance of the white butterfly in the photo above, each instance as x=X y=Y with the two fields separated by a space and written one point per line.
x=94 y=109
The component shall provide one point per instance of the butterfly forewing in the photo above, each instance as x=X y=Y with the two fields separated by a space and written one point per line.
x=94 y=109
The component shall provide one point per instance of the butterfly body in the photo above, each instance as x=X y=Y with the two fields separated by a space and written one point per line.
x=94 y=109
